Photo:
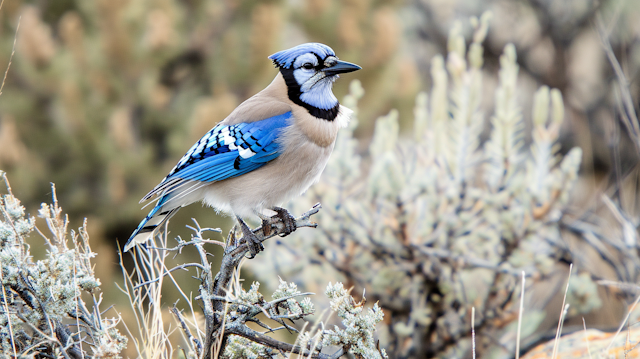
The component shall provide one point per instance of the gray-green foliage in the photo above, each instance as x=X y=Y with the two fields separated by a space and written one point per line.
x=238 y=323
x=241 y=348
x=359 y=325
x=439 y=222
x=44 y=297
x=355 y=335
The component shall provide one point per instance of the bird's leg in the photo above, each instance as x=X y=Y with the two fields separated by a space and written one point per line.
x=287 y=219
x=266 y=223
x=231 y=237
x=255 y=246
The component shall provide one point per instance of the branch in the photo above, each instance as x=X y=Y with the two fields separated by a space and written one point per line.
x=185 y=329
x=302 y=221
x=214 y=294
x=233 y=255
x=65 y=337
x=274 y=302
x=268 y=341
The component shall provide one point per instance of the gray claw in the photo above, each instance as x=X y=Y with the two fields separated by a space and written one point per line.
x=254 y=243
x=287 y=219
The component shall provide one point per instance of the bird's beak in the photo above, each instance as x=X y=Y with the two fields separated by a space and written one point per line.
x=341 y=67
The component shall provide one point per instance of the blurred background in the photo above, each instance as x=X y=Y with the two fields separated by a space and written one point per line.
x=103 y=97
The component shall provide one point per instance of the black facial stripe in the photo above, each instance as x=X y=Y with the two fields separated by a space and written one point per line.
x=317 y=67
x=320 y=64
x=294 y=95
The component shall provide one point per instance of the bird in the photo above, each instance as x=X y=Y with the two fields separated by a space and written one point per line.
x=268 y=150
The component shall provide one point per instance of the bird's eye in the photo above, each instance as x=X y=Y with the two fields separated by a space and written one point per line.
x=308 y=66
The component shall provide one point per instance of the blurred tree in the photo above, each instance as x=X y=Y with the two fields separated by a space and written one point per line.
x=105 y=96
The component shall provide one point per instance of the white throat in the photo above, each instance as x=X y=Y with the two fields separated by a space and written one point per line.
x=320 y=95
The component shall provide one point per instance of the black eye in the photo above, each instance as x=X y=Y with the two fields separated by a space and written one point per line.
x=307 y=66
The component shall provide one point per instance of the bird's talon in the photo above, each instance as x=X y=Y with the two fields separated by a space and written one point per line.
x=253 y=242
x=255 y=246
x=287 y=219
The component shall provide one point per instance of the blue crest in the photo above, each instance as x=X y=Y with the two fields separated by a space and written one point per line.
x=285 y=58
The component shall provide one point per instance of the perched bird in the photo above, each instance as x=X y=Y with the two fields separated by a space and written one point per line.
x=270 y=149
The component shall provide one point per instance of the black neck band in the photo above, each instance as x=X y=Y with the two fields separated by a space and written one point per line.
x=294 y=95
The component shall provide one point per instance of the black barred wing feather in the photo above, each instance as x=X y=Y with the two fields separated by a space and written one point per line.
x=226 y=152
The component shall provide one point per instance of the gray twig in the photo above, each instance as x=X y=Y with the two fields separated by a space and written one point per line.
x=213 y=292
x=185 y=329
x=246 y=332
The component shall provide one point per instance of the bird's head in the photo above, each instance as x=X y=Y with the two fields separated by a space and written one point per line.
x=309 y=71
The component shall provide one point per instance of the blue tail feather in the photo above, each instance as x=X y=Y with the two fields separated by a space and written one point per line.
x=149 y=226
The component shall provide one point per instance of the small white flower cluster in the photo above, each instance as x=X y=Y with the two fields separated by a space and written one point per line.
x=359 y=325
x=293 y=306
x=242 y=348
x=252 y=296
x=17 y=225
x=109 y=343
x=356 y=337
x=245 y=305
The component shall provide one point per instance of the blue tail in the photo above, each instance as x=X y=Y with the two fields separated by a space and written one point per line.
x=150 y=226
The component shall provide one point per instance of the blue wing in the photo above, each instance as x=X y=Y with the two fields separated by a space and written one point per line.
x=227 y=151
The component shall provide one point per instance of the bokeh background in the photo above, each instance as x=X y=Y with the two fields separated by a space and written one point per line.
x=103 y=97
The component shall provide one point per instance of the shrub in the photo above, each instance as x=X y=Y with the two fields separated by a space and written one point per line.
x=435 y=223
x=42 y=311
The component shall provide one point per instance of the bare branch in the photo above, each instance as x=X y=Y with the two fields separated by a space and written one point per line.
x=185 y=329
x=266 y=340
x=214 y=293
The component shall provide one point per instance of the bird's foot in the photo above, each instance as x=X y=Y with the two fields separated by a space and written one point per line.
x=287 y=219
x=266 y=226
x=254 y=243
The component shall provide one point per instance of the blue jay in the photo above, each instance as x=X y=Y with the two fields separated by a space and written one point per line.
x=271 y=148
